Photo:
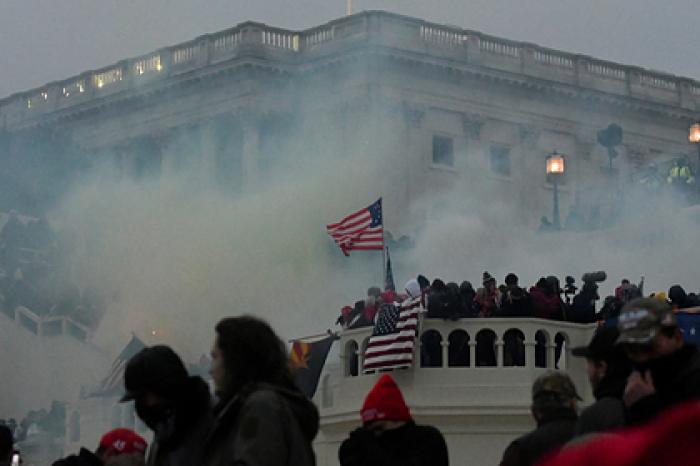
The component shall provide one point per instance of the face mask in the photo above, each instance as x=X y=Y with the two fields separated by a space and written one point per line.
x=153 y=416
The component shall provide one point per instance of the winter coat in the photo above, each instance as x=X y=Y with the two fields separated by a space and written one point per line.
x=263 y=425
x=546 y=306
x=553 y=431
x=487 y=301
x=408 y=445
x=515 y=302
x=193 y=419
x=608 y=411
x=83 y=458
x=676 y=379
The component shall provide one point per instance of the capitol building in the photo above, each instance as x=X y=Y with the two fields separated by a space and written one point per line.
x=437 y=106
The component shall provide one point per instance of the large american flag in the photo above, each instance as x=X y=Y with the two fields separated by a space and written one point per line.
x=363 y=230
x=391 y=344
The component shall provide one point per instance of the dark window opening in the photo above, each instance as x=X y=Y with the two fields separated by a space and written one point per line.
x=499 y=159
x=443 y=151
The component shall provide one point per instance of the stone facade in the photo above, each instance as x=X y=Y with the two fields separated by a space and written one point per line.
x=449 y=106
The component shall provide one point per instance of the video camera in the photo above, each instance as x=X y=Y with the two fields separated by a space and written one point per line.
x=570 y=288
x=594 y=277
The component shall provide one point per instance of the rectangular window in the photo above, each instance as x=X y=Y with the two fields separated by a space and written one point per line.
x=499 y=160
x=443 y=151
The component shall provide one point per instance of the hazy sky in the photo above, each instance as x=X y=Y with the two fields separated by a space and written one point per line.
x=46 y=40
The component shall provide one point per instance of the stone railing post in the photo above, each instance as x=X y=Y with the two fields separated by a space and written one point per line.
x=445 y=352
x=530 y=353
x=473 y=49
x=500 y=346
x=551 y=355
x=472 y=353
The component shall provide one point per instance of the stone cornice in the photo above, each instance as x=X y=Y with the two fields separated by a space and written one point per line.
x=256 y=47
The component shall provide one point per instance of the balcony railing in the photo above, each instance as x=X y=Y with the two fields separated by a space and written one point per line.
x=385 y=28
x=477 y=344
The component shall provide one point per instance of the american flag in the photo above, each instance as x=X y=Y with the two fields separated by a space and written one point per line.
x=363 y=230
x=391 y=344
x=113 y=383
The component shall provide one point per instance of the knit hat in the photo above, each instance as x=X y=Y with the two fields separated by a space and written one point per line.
x=487 y=278
x=385 y=402
x=641 y=319
x=118 y=441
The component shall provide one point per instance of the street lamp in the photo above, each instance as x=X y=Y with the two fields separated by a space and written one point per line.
x=555 y=170
x=694 y=137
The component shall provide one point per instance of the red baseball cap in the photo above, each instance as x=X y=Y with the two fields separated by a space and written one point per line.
x=119 y=441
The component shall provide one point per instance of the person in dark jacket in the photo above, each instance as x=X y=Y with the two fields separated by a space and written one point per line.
x=118 y=446
x=262 y=419
x=389 y=436
x=6 y=445
x=583 y=307
x=515 y=301
x=467 y=295
x=554 y=409
x=607 y=367
x=174 y=405
x=666 y=370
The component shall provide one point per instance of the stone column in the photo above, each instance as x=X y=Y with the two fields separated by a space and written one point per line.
x=445 y=352
x=530 y=353
x=499 y=352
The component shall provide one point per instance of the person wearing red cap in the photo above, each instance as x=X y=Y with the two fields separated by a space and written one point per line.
x=117 y=447
x=388 y=436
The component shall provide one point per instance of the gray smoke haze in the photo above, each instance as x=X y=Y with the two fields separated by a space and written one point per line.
x=44 y=40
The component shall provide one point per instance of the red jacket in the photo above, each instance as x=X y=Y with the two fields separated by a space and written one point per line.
x=672 y=439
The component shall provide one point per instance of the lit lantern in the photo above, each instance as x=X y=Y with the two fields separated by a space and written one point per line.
x=694 y=133
x=555 y=164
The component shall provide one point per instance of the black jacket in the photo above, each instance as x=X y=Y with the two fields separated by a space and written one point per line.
x=84 y=458
x=552 y=432
x=408 y=445
x=608 y=411
x=263 y=425
x=193 y=418
x=676 y=379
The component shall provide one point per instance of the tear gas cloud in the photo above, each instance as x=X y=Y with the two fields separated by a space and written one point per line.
x=178 y=255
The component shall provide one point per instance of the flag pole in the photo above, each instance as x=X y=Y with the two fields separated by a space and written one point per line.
x=383 y=245
x=328 y=333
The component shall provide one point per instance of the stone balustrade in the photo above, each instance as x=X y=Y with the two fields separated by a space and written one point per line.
x=469 y=48
x=483 y=367
x=49 y=326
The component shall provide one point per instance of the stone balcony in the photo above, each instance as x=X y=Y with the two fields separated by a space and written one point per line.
x=297 y=51
x=458 y=382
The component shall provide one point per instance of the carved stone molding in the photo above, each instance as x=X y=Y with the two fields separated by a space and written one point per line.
x=472 y=124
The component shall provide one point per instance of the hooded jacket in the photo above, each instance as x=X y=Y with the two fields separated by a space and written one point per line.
x=192 y=419
x=608 y=411
x=263 y=425
x=407 y=445
x=676 y=379
x=553 y=431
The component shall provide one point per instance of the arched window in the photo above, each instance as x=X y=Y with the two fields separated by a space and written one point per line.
x=431 y=349
x=75 y=427
x=458 y=351
x=561 y=340
x=514 y=348
x=351 y=359
x=541 y=342
x=116 y=416
x=486 y=348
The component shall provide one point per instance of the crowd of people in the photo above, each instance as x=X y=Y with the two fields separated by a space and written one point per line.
x=546 y=299
x=31 y=275
x=639 y=370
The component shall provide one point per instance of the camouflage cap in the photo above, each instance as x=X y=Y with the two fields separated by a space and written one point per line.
x=641 y=319
x=554 y=384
